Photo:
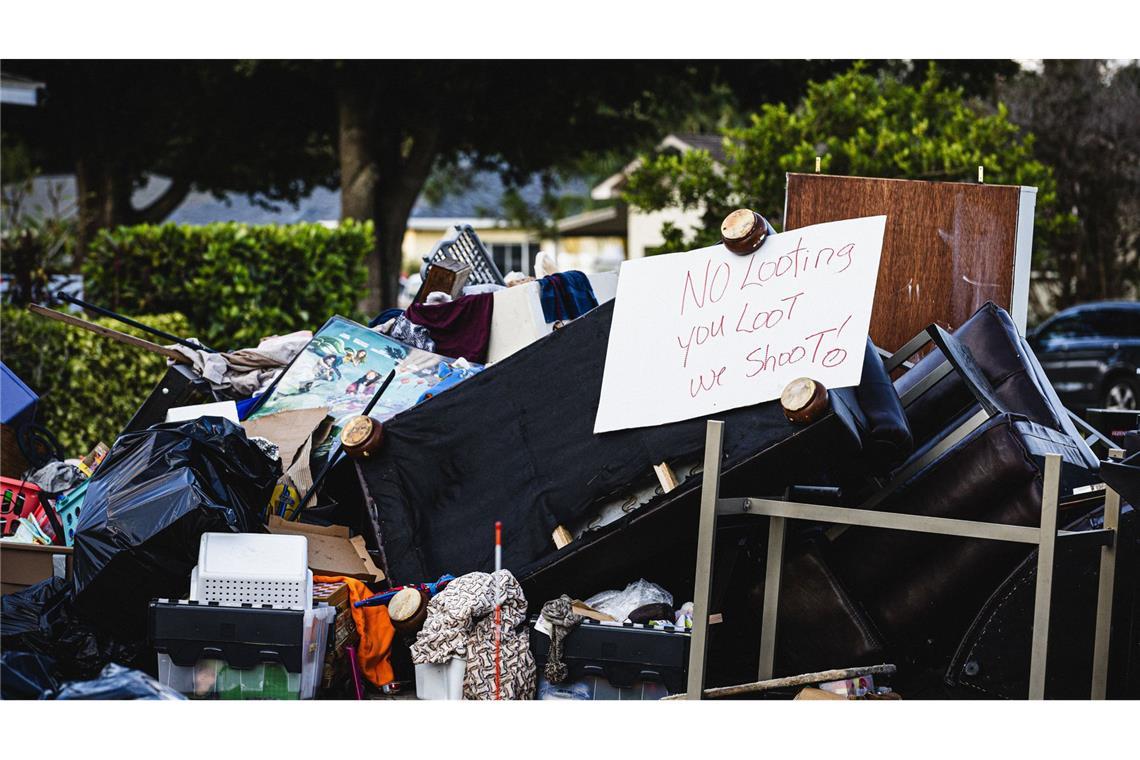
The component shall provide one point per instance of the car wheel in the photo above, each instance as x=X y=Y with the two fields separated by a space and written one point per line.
x=1122 y=393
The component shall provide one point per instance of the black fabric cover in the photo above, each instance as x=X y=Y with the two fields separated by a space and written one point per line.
x=515 y=443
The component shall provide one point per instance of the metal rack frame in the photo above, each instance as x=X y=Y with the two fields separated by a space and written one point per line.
x=1045 y=538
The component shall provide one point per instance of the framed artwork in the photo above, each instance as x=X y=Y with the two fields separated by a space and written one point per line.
x=343 y=367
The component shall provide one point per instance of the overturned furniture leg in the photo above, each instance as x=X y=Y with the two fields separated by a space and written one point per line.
x=1105 y=587
x=706 y=540
x=1043 y=601
x=775 y=563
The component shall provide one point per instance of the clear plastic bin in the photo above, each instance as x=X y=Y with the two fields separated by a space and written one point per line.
x=592 y=688
x=215 y=679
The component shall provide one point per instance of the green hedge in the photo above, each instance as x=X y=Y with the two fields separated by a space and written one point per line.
x=235 y=283
x=89 y=386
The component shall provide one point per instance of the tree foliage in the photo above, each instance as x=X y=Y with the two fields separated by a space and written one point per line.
x=89 y=386
x=235 y=283
x=1086 y=118
x=859 y=124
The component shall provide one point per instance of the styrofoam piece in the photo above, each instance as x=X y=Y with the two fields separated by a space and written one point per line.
x=226 y=409
x=517 y=319
x=443 y=680
x=254 y=568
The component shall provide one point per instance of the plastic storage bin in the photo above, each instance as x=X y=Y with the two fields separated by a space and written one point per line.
x=232 y=651
x=598 y=688
x=69 y=508
x=442 y=680
x=19 y=498
x=253 y=568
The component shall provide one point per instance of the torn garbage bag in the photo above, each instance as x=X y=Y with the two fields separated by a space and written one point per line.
x=148 y=505
x=41 y=619
x=117 y=682
x=24 y=675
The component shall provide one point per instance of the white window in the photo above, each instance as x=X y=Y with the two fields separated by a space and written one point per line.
x=514 y=257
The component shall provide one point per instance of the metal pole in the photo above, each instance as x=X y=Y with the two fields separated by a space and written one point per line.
x=706 y=538
x=1106 y=582
x=775 y=564
x=1039 y=649
x=67 y=298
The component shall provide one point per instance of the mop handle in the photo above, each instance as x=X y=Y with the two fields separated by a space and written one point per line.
x=498 y=607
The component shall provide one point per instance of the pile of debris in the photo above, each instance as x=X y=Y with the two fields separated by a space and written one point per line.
x=422 y=506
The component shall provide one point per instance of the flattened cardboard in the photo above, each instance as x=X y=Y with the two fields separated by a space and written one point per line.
x=22 y=565
x=811 y=693
x=331 y=550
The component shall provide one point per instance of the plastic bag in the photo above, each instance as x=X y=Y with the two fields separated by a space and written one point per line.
x=117 y=682
x=147 y=507
x=41 y=619
x=618 y=604
x=24 y=675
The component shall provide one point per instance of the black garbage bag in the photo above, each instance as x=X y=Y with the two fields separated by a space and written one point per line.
x=117 y=682
x=147 y=507
x=41 y=619
x=24 y=675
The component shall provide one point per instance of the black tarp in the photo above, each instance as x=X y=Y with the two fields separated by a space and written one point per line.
x=515 y=443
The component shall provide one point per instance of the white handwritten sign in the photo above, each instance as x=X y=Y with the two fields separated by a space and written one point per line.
x=707 y=330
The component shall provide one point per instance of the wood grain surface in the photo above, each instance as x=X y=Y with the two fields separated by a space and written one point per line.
x=948 y=248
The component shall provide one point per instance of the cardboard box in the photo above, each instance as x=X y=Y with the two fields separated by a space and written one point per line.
x=23 y=565
x=331 y=550
x=813 y=693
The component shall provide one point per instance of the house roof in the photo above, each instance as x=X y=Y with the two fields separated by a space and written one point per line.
x=682 y=141
x=714 y=144
x=479 y=202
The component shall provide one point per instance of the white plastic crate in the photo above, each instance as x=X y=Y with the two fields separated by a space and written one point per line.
x=253 y=568
x=442 y=680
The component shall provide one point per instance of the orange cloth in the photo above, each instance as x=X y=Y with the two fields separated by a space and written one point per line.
x=375 y=629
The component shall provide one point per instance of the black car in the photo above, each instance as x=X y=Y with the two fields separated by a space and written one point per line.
x=1091 y=353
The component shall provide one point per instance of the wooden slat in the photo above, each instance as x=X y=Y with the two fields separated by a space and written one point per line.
x=805 y=679
x=107 y=332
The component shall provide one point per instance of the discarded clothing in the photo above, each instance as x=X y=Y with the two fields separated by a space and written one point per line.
x=560 y=614
x=461 y=622
x=450 y=375
x=385 y=316
x=404 y=330
x=461 y=328
x=566 y=296
x=375 y=629
x=482 y=287
x=56 y=477
x=248 y=370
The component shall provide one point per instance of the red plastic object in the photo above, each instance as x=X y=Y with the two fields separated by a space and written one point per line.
x=20 y=499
